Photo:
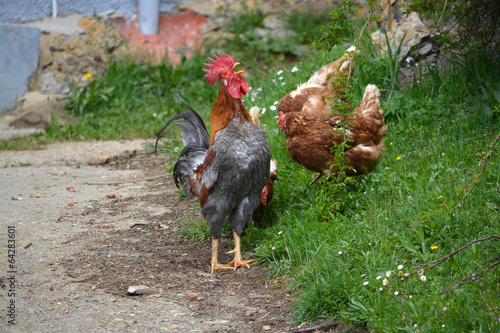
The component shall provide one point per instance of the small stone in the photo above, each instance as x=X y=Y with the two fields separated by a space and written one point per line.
x=35 y=195
x=249 y=314
x=110 y=195
x=98 y=159
x=302 y=326
x=63 y=309
x=71 y=204
x=266 y=328
x=106 y=225
x=45 y=238
x=191 y=297
x=70 y=188
x=139 y=290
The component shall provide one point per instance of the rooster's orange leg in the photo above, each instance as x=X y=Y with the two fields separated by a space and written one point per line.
x=215 y=262
x=237 y=261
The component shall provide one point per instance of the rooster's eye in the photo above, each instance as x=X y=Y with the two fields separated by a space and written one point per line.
x=224 y=74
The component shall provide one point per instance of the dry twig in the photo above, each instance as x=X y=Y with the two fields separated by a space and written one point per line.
x=439 y=261
x=125 y=181
x=484 y=162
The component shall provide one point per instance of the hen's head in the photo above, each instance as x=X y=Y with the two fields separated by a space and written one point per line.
x=281 y=121
x=222 y=68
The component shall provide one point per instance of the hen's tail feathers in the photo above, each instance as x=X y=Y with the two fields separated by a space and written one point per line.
x=196 y=142
x=370 y=106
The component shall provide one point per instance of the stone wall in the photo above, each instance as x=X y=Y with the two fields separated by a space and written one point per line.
x=18 y=11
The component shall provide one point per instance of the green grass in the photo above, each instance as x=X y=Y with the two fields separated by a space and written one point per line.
x=438 y=133
x=440 y=128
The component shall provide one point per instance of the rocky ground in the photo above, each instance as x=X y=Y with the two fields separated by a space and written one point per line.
x=86 y=233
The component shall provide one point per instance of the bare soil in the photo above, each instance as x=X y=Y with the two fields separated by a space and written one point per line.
x=78 y=252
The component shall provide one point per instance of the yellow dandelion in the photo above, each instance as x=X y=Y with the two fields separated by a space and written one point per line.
x=434 y=247
x=398 y=158
x=88 y=75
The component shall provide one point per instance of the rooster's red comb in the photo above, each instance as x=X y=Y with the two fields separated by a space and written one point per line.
x=221 y=62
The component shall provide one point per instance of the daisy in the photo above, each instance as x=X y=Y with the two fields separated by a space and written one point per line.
x=366 y=283
x=379 y=277
x=396 y=293
x=281 y=78
x=279 y=72
x=400 y=267
x=340 y=253
x=388 y=274
x=381 y=289
x=279 y=233
x=273 y=107
x=423 y=278
x=420 y=271
x=294 y=69
x=385 y=282
x=276 y=102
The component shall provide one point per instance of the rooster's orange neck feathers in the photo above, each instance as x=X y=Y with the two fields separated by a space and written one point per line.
x=225 y=109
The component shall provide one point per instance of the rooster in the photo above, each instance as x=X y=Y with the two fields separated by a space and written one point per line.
x=309 y=138
x=228 y=169
x=313 y=98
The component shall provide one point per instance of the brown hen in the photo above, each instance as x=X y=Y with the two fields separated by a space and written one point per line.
x=309 y=138
x=311 y=98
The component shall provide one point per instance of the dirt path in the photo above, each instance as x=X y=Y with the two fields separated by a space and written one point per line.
x=74 y=263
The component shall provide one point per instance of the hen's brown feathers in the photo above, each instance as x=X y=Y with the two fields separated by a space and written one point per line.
x=310 y=98
x=309 y=138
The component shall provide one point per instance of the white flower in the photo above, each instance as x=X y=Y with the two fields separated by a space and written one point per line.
x=379 y=277
x=281 y=78
x=423 y=278
x=388 y=274
x=340 y=253
x=381 y=289
x=252 y=99
x=294 y=69
x=420 y=271
x=279 y=233
x=276 y=102
x=400 y=267
x=279 y=72
x=443 y=325
x=366 y=283
x=264 y=125
x=249 y=88
x=407 y=274
x=259 y=89
x=410 y=296
x=263 y=111
x=396 y=293
x=273 y=107
x=273 y=248
x=283 y=83
x=385 y=282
